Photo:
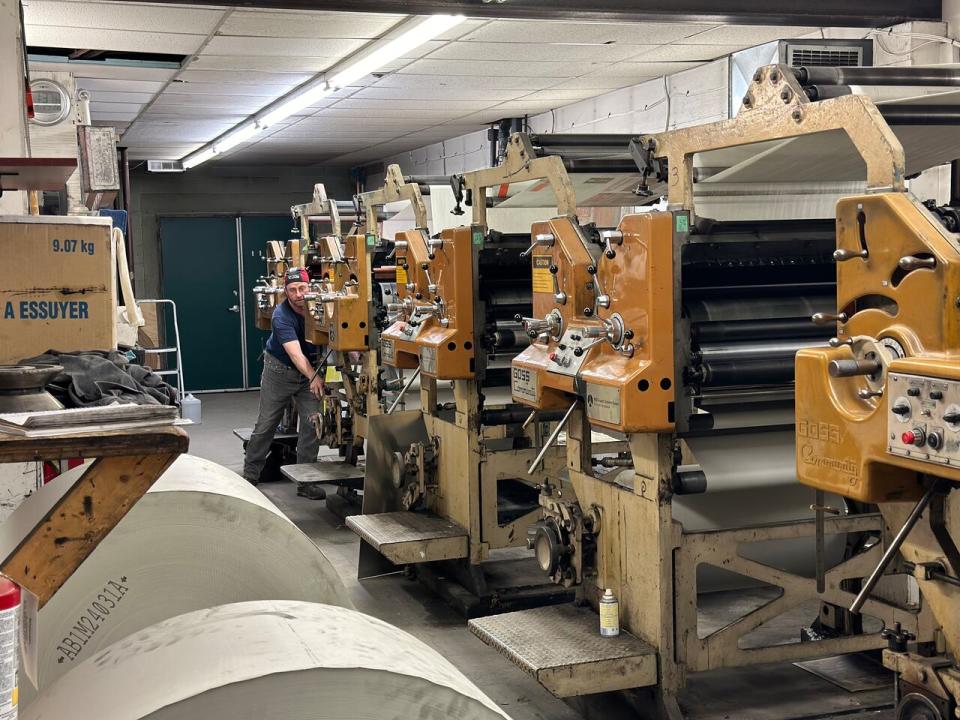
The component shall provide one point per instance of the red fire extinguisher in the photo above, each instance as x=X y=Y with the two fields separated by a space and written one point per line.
x=9 y=647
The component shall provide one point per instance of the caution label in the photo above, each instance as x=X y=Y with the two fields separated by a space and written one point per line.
x=387 y=350
x=542 y=277
x=401 y=275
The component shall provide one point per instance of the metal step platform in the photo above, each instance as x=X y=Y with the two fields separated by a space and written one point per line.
x=335 y=473
x=407 y=537
x=561 y=646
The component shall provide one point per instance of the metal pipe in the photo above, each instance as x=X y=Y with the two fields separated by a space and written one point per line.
x=894 y=548
x=825 y=92
x=852 y=367
x=583 y=139
x=720 y=331
x=512 y=416
x=757 y=350
x=553 y=437
x=403 y=391
x=599 y=165
x=936 y=76
x=747 y=371
x=126 y=191
x=920 y=114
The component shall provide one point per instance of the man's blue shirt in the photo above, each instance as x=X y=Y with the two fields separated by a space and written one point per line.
x=287 y=325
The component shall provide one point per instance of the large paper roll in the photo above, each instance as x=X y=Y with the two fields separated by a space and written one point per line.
x=201 y=537
x=266 y=659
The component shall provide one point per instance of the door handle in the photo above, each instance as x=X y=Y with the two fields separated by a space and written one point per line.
x=234 y=308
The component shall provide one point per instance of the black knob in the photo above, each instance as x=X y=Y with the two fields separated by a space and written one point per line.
x=424 y=266
x=553 y=269
x=406 y=266
x=611 y=254
x=628 y=334
x=900 y=409
x=588 y=312
x=896 y=638
x=592 y=269
x=419 y=296
x=951 y=417
x=913 y=392
x=936 y=395
x=562 y=346
x=935 y=440
x=578 y=351
x=576 y=338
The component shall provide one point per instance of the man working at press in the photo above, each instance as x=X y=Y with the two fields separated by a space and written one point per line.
x=289 y=372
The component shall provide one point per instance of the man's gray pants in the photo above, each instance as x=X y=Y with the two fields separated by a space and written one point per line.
x=278 y=385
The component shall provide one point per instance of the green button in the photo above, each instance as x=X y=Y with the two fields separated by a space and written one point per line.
x=477 y=237
x=683 y=223
x=371 y=240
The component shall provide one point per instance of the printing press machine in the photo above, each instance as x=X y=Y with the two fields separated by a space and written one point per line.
x=681 y=332
x=447 y=489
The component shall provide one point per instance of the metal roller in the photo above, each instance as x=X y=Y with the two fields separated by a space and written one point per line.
x=746 y=371
x=916 y=76
x=767 y=349
x=756 y=308
x=718 y=332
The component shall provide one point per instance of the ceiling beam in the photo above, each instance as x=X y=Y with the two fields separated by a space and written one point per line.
x=814 y=13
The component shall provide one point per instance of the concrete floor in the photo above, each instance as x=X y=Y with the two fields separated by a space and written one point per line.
x=768 y=693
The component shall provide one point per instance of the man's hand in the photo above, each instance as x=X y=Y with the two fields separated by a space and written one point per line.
x=316 y=387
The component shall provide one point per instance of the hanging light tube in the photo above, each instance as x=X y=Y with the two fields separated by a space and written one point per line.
x=306 y=95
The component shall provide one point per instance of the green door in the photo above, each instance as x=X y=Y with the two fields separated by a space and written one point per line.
x=255 y=232
x=201 y=274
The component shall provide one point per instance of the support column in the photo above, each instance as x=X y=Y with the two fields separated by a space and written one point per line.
x=13 y=121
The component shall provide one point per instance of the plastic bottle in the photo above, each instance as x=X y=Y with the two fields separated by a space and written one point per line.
x=609 y=614
x=9 y=648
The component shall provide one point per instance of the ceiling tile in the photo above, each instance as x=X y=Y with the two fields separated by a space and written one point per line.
x=462 y=68
x=495 y=82
x=356 y=103
x=326 y=47
x=95 y=71
x=98 y=108
x=142 y=86
x=258 y=23
x=237 y=103
x=267 y=63
x=111 y=116
x=455 y=92
x=264 y=92
x=192 y=74
x=675 y=53
x=122 y=16
x=642 y=69
x=120 y=97
x=578 y=33
x=100 y=39
x=537 y=52
x=745 y=35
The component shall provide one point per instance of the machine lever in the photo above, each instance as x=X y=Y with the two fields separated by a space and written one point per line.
x=601 y=298
x=865 y=394
x=559 y=296
x=403 y=391
x=827 y=318
x=553 y=437
x=842 y=255
x=912 y=262
x=894 y=547
x=397 y=245
x=853 y=367
x=611 y=237
x=539 y=240
x=838 y=342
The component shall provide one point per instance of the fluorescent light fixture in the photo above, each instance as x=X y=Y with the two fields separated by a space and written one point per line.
x=414 y=37
x=199 y=157
x=382 y=53
x=236 y=137
x=298 y=101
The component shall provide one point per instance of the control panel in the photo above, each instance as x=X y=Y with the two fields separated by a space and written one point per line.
x=923 y=418
x=410 y=329
x=567 y=356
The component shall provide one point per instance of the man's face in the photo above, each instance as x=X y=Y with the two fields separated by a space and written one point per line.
x=295 y=292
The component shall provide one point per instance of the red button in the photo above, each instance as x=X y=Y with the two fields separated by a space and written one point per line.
x=908 y=438
x=553 y=356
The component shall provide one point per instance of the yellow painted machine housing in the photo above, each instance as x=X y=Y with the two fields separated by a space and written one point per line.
x=397 y=349
x=279 y=258
x=444 y=344
x=346 y=314
x=842 y=437
x=639 y=281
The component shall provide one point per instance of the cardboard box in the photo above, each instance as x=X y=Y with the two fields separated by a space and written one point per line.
x=57 y=285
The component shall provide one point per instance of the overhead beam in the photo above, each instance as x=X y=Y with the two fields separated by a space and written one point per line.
x=814 y=13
